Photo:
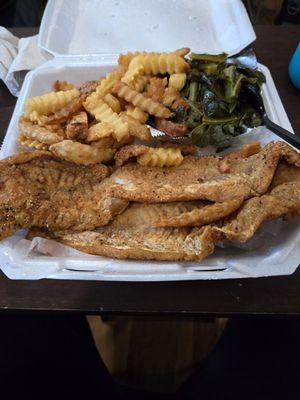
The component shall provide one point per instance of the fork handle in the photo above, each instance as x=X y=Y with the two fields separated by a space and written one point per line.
x=283 y=133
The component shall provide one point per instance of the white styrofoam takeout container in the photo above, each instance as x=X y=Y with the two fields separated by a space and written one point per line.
x=72 y=27
x=222 y=25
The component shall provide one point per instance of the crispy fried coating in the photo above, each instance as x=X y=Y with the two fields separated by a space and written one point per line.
x=39 y=190
x=77 y=128
x=133 y=234
x=200 y=178
x=41 y=134
x=81 y=154
x=167 y=244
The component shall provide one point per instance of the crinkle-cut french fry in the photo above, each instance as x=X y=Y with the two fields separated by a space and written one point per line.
x=77 y=128
x=81 y=154
x=34 y=144
x=139 y=83
x=113 y=102
x=64 y=113
x=161 y=157
x=109 y=80
x=62 y=85
x=41 y=120
x=171 y=94
x=125 y=59
x=56 y=128
x=40 y=133
x=136 y=113
x=185 y=148
x=136 y=129
x=159 y=63
x=177 y=81
x=133 y=72
x=99 y=131
x=182 y=52
x=49 y=102
x=103 y=113
x=139 y=100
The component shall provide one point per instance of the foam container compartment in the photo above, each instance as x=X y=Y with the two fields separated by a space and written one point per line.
x=106 y=26
x=277 y=256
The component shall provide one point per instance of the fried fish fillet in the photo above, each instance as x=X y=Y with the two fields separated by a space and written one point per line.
x=283 y=199
x=203 y=178
x=174 y=215
x=39 y=190
x=202 y=214
x=139 y=243
x=128 y=239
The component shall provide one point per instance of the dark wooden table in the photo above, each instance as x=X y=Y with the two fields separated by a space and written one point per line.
x=263 y=296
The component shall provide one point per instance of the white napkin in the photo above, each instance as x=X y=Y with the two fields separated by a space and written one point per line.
x=17 y=56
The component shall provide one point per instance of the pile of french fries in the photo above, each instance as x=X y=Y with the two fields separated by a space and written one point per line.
x=87 y=124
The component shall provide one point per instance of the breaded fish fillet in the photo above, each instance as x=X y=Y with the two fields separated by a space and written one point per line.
x=39 y=190
x=139 y=243
x=174 y=215
x=203 y=178
x=283 y=199
x=129 y=236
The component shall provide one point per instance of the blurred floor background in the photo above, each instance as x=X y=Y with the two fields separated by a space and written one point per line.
x=154 y=353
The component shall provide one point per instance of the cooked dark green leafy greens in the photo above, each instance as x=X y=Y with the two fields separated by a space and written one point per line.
x=218 y=111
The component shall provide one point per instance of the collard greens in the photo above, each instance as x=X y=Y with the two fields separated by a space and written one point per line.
x=217 y=110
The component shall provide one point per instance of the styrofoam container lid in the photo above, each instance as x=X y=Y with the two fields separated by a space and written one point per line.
x=72 y=27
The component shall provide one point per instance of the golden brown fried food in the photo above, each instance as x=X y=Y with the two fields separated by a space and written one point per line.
x=161 y=157
x=171 y=128
x=64 y=113
x=282 y=200
x=174 y=215
x=141 y=244
x=88 y=87
x=186 y=149
x=39 y=190
x=132 y=235
x=136 y=113
x=285 y=173
x=171 y=95
x=99 y=131
x=139 y=100
x=49 y=102
x=113 y=102
x=184 y=51
x=127 y=152
x=156 y=88
x=105 y=143
x=177 y=81
x=39 y=133
x=77 y=128
x=200 y=178
x=62 y=85
x=250 y=149
x=202 y=214
x=33 y=144
x=136 y=129
x=81 y=154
